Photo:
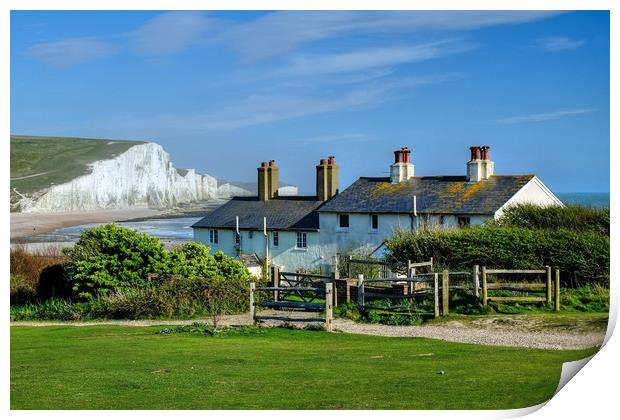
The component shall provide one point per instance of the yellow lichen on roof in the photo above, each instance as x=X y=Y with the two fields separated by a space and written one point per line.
x=455 y=187
x=473 y=189
x=387 y=187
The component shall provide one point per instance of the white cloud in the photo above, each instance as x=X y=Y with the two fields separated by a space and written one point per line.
x=281 y=32
x=170 y=33
x=69 y=52
x=559 y=43
x=369 y=59
x=271 y=35
x=545 y=116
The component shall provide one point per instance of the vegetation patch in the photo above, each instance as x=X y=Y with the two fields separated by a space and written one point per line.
x=118 y=273
x=583 y=257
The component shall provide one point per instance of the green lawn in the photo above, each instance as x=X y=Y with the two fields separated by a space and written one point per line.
x=106 y=367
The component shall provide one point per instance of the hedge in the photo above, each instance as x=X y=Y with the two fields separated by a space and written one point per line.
x=576 y=218
x=583 y=257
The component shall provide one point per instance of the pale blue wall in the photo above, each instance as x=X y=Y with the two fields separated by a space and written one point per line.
x=359 y=237
x=286 y=254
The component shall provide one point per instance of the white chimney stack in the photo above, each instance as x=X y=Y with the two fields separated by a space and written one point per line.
x=402 y=169
x=480 y=166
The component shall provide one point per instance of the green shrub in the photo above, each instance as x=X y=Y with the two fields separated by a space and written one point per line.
x=575 y=218
x=583 y=257
x=110 y=258
x=169 y=297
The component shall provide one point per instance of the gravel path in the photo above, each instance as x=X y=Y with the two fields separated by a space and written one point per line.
x=513 y=331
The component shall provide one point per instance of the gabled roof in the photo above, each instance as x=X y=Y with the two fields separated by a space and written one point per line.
x=282 y=213
x=434 y=195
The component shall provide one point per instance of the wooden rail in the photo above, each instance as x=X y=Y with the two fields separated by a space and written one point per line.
x=327 y=307
x=432 y=278
x=521 y=287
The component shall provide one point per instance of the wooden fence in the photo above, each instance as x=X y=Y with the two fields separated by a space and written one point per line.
x=552 y=291
x=419 y=287
x=326 y=306
x=297 y=291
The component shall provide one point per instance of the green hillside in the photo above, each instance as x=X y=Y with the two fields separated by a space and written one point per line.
x=39 y=162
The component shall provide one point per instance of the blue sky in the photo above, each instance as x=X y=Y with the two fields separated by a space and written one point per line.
x=223 y=91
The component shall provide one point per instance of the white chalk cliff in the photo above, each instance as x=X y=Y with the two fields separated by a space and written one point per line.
x=143 y=176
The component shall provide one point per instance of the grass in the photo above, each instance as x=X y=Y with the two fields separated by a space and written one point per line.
x=106 y=367
x=40 y=162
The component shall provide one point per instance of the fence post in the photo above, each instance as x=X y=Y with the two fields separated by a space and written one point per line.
x=252 y=306
x=329 y=311
x=335 y=277
x=436 y=293
x=276 y=282
x=445 y=293
x=431 y=261
x=557 y=289
x=476 y=278
x=485 y=295
x=349 y=273
x=410 y=274
x=548 y=291
x=336 y=266
x=360 y=291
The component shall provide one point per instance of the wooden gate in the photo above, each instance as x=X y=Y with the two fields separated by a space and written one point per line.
x=297 y=292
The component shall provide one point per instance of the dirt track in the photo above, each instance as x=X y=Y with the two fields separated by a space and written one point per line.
x=513 y=331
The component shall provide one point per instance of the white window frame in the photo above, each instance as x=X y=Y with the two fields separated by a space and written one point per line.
x=275 y=239
x=301 y=238
x=213 y=236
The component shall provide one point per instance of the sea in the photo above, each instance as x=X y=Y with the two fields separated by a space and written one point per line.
x=588 y=199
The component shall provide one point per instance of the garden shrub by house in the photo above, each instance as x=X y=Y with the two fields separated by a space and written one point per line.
x=583 y=257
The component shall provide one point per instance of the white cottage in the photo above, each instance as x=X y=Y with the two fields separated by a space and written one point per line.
x=366 y=213
x=291 y=223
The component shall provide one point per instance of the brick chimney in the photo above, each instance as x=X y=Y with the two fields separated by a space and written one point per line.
x=479 y=166
x=327 y=178
x=268 y=180
x=273 y=179
x=402 y=169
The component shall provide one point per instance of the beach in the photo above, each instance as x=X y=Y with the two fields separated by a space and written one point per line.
x=29 y=224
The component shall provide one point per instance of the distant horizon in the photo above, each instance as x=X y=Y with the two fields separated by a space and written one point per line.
x=247 y=181
x=219 y=87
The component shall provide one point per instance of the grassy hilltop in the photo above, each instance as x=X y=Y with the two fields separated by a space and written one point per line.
x=40 y=162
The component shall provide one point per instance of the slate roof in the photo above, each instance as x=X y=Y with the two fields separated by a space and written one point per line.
x=283 y=213
x=434 y=195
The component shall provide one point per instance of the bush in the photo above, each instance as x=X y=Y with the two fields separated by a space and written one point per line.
x=110 y=258
x=575 y=218
x=27 y=269
x=170 y=297
x=582 y=257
